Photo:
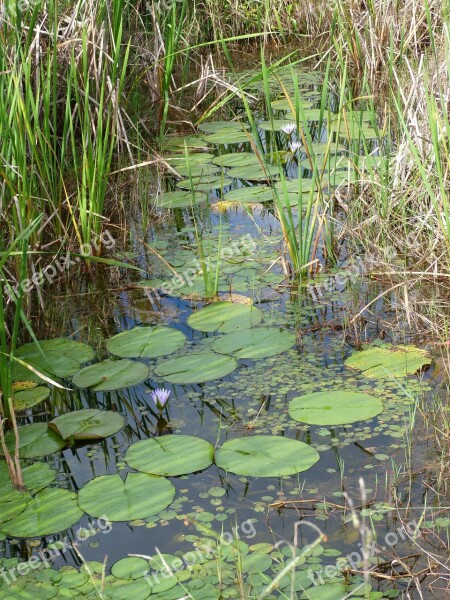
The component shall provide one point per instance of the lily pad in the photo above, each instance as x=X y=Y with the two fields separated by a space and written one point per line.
x=227 y=136
x=236 y=159
x=258 y=342
x=276 y=124
x=254 y=172
x=132 y=567
x=196 y=368
x=215 y=126
x=225 y=317
x=179 y=143
x=265 y=456
x=180 y=199
x=254 y=193
x=334 y=408
x=50 y=511
x=55 y=358
x=170 y=455
x=26 y=399
x=111 y=375
x=87 y=424
x=36 y=477
x=205 y=184
x=138 y=497
x=198 y=170
x=383 y=362
x=192 y=158
x=146 y=342
x=35 y=440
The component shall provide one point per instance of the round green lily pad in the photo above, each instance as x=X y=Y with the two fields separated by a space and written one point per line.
x=170 y=455
x=254 y=193
x=227 y=136
x=132 y=567
x=205 y=184
x=87 y=424
x=383 y=362
x=55 y=358
x=138 y=497
x=36 y=477
x=225 y=317
x=50 y=511
x=237 y=159
x=265 y=456
x=35 y=440
x=198 y=170
x=137 y=590
x=146 y=342
x=180 y=199
x=111 y=375
x=334 y=407
x=277 y=125
x=196 y=368
x=26 y=399
x=254 y=172
x=258 y=342
x=215 y=126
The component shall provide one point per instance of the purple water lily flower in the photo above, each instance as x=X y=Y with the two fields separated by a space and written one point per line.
x=160 y=397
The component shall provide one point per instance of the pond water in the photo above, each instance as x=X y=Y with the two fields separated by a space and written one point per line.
x=234 y=533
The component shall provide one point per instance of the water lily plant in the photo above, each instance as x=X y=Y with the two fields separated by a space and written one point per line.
x=160 y=397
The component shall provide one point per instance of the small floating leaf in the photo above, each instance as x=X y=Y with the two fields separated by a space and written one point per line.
x=26 y=399
x=383 y=362
x=138 y=497
x=205 y=184
x=226 y=136
x=50 y=511
x=334 y=407
x=196 y=368
x=255 y=193
x=146 y=342
x=276 y=124
x=236 y=159
x=132 y=567
x=265 y=456
x=36 y=477
x=225 y=317
x=254 y=172
x=215 y=126
x=258 y=342
x=170 y=455
x=87 y=424
x=179 y=199
x=111 y=375
x=35 y=440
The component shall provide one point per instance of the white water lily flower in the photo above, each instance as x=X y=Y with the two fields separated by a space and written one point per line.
x=289 y=128
x=294 y=146
x=160 y=397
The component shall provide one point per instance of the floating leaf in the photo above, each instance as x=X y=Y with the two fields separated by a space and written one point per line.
x=205 y=184
x=326 y=591
x=146 y=342
x=55 y=358
x=334 y=407
x=254 y=172
x=276 y=124
x=35 y=440
x=215 y=126
x=36 y=477
x=198 y=170
x=258 y=342
x=179 y=143
x=138 y=590
x=265 y=456
x=193 y=158
x=180 y=199
x=237 y=159
x=196 y=368
x=111 y=375
x=87 y=424
x=383 y=362
x=138 y=497
x=132 y=567
x=255 y=193
x=170 y=455
x=225 y=317
x=50 y=511
x=26 y=399
x=295 y=185
x=227 y=136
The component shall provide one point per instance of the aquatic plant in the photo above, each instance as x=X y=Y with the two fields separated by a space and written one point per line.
x=160 y=397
